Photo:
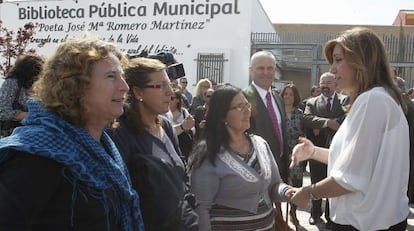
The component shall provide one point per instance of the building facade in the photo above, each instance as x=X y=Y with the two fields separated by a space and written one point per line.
x=299 y=50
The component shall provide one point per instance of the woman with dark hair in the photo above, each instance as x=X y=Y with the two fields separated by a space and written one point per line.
x=16 y=90
x=233 y=174
x=368 y=159
x=149 y=145
x=294 y=129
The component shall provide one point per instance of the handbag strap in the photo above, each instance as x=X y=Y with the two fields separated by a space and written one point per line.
x=184 y=114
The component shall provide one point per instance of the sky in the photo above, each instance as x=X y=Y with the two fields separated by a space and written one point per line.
x=347 y=12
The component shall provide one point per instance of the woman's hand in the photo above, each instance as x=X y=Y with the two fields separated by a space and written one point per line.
x=302 y=151
x=202 y=124
x=302 y=197
x=188 y=123
x=290 y=192
x=21 y=116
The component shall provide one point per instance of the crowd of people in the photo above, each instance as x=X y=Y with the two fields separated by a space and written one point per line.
x=110 y=143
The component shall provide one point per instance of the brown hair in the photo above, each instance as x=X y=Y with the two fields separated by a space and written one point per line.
x=137 y=74
x=314 y=88
x=296 y=95
x=365 y=52
x=179 y=96
x=26 y=70
x=66 y=76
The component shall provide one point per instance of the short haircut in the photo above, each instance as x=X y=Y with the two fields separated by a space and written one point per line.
x=261 y=54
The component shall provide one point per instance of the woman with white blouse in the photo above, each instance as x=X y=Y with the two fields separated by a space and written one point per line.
x=368 y=160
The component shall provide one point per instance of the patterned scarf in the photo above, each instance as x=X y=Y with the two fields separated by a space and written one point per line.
x=89 y=167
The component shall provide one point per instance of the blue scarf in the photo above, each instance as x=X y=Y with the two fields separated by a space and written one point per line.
x=90 y=168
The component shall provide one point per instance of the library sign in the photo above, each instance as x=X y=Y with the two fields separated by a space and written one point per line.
x=133 y=25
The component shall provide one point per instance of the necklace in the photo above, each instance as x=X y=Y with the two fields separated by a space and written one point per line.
x=242 y=151
x=244 y=156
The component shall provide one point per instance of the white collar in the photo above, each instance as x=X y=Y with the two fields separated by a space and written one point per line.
x=326 y=98
x=262 y=92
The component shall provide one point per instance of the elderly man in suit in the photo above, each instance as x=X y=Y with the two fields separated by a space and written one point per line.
x=322 y=117
x=268 y=113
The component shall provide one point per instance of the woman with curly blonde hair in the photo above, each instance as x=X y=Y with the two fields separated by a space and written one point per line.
x=76 y=177
x=201 y=88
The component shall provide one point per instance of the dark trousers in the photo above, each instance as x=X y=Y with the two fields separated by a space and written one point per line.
x=318 y=173
x=398 y=227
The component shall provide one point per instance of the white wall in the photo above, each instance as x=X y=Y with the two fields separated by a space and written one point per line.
x=260 y=20
x=216 y=26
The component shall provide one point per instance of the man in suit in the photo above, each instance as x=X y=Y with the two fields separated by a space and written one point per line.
x=260 y=95
x=322 y=117
x=315 y=91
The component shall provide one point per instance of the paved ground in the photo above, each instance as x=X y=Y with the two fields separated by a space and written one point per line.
x=303 y=216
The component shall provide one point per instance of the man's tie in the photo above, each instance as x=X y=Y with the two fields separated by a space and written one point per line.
x=328 y=104
x=273 y=117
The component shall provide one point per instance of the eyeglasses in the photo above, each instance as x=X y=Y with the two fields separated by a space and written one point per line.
x=162 y=86
x=184 y=82
x=242 y=106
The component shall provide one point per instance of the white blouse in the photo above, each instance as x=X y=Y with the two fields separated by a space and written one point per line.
x=369 y=156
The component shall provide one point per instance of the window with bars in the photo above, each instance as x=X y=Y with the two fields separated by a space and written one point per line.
x=210 y=66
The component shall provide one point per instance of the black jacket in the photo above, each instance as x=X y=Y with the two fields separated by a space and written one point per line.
x=162 y=187
x=35 y=196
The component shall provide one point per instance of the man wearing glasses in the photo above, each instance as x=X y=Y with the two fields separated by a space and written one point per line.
x=184 y=90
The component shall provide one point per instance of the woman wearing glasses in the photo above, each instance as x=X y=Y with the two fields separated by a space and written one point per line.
x=233 y=174
x=150 y=148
